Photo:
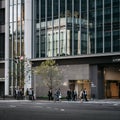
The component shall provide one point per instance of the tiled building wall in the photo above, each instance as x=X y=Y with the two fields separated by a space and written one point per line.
x=70 y=72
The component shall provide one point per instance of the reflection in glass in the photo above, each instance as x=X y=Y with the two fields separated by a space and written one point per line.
x=15 y=1
x=107 y=41
x=75 y=27
x=19 y=12
x=11 y=13
x=43 y=10
x=11 y=2
x=15 y=12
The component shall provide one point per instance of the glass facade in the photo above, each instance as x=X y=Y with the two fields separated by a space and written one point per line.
x=75 y=27
x=16 y=41
x=58 y=28
x=2 y=33
x=2 y=46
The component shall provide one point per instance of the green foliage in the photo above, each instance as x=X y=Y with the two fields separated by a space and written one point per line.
x=50 y=73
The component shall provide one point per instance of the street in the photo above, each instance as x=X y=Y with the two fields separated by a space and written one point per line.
x=40 y=110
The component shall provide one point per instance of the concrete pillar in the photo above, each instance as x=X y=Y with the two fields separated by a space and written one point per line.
x=28 y=42
x=97 y=81
x=93 y=78
x=100 y=83
x=7 y=47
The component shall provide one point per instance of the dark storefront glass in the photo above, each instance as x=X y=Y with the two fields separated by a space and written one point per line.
x=76 y=25
x=116 y=40
x=92 y=25
x=49 y=10
x=84 y=27
x=2 y=34
x=62 y=8
x=2 y=46
x=69 y=24
x=37 y=11
x=107 y=42
x=55 y=9
x=43 y=10
x=107 y=27
x=2 y=16
x=116 y=26
x=99 y=26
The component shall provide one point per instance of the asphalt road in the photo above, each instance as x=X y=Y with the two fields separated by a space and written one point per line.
x=58 y=111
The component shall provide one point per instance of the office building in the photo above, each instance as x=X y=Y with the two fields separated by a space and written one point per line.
x=83 y=36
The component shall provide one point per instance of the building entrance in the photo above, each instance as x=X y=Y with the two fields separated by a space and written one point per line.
x=112 y=81
x=78 y=85
x=1 y=89
x=112 y=89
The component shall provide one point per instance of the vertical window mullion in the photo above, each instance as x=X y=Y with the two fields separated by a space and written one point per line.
x=66 y=27
x=20 y=40
x=111 y=26
x=33 y=43
x=11 y=50
x=12 y=42
x=52 y=24
x=16 y=28
x=80 y=27
x=53 y=32
x=20 y=29
x=95 y=27
x=103 y=29
x=88 y=47
x=59 y=23
x=39 y=28
x=46 y=28
x=72 y=27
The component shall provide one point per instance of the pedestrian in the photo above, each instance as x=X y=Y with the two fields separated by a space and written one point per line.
x=21 y=93
x=75 y=95
x=68 y=94
x=14 y=93
x=55 y=95
x=59 y=95
x=85 y=94
x=17 y=92
x=72 y=95
x=50 y=95
x=81 y=95
x=31 y=94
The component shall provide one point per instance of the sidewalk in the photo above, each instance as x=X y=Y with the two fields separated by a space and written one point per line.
x=96 y=101
x=107 y=101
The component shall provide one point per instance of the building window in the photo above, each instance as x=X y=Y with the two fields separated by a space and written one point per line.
x=2 y=16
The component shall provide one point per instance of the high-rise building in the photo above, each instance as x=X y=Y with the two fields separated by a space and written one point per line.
x=83 y=36
x=2 y=46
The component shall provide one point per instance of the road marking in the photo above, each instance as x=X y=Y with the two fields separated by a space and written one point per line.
x=39 y=106
x=48 y=107
x=12 y=106
x=116 y=104
x=55 y=108
x=62 y=110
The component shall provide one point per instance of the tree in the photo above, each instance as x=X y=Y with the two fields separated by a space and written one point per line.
x=50 y=73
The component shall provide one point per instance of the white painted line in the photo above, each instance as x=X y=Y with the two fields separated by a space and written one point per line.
x=12 y=106
x=116 y=104
x=39 y=106
x=56 y=108
x=62 y=110
x=48 y=107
